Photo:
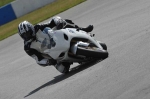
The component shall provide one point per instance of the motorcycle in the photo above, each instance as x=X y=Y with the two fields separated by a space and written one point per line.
x=70 y=45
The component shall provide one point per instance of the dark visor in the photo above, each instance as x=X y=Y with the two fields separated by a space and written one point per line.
x=27 y=36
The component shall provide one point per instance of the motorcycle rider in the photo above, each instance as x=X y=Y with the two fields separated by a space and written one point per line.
x=28 y=33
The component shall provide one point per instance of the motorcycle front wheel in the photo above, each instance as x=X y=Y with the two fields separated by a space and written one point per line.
x=92 y=52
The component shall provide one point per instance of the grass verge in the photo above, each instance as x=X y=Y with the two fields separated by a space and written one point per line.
x=3 y=2
x=38 y=16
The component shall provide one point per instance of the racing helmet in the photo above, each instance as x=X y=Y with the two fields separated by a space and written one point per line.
x=26 y=30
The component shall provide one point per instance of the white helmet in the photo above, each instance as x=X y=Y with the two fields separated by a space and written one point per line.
x=26 y=30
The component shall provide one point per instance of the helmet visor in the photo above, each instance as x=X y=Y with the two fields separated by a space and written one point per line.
x=27 y=35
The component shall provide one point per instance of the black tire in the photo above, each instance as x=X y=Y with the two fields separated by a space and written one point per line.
x=67 y=67
x=104 y=46
x=92 y=53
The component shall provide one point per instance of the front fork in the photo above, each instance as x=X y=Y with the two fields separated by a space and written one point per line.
x=75 y=46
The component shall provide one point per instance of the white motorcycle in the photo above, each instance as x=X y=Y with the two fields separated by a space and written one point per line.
x=69 y=45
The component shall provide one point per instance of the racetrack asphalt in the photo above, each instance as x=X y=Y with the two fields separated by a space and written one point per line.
x=124 y=25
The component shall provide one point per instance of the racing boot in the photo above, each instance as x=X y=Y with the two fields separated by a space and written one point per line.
x=88 y=29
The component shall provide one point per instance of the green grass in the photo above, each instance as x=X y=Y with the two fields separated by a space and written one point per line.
x=38 y=16
x=4 y=2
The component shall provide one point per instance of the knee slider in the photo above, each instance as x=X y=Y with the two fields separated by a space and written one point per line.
x=61 y=68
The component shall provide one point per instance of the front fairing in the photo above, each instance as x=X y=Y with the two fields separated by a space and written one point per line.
x=54 y=43
x=42 y=41
x=62 y=45
x=74 y=33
